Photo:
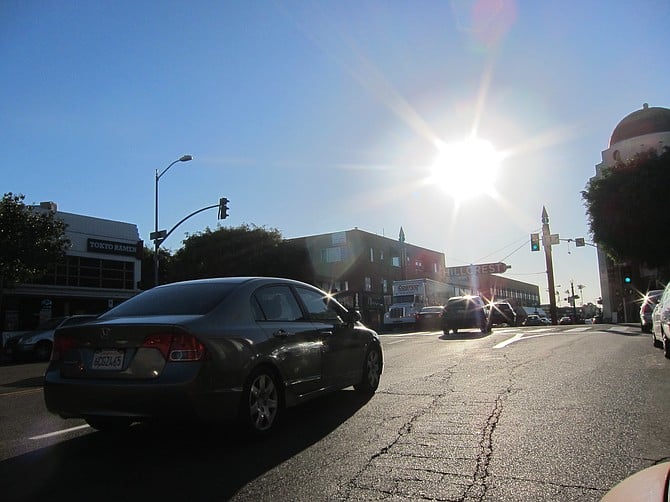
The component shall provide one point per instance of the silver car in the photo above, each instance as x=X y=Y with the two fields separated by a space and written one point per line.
x=211 y=349
x=647 y=307
x=38 y=344
x=660 y=319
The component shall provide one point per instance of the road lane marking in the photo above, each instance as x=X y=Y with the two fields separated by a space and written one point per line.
x=502 y=344
x=20 y=392
x=58 y=433
x=413 y=333
x=577 y=330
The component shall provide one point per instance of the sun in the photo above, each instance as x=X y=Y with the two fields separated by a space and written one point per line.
x=466 y=169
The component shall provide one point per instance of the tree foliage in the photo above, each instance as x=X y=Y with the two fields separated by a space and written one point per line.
x=626 y=209
x=147 y=280
x=30 y=241
x=239 y=251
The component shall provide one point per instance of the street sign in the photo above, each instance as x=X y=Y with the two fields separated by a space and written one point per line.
x=158 y=235
x=481 y=269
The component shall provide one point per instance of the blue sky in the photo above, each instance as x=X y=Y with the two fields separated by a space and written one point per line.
x=316 y=117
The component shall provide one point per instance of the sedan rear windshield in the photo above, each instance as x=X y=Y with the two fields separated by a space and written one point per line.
x=180 y=299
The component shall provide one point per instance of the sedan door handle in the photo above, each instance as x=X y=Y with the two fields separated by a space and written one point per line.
x=281 y=333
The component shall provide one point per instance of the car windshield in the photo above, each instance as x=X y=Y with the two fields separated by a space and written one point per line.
x=180 y=299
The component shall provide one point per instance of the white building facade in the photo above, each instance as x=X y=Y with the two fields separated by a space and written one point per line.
x=641 y=131
x=102 y=268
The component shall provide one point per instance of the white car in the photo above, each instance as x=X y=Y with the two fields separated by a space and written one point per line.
x=660 y=321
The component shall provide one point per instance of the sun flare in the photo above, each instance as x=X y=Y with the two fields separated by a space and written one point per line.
x=467 y=168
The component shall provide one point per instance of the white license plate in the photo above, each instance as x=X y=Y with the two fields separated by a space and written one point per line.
x=107 y=359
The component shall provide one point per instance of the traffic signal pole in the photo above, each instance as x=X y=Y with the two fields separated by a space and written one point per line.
x=546 y=241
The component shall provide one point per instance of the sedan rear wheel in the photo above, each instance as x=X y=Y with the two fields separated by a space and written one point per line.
x=262 y=402
x=372 y=370
x=666 y=344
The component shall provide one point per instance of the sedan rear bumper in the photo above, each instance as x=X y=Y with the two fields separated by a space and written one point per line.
x=139 y=400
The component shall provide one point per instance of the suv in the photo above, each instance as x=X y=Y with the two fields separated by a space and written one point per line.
x=465 y=312
x=503 y=313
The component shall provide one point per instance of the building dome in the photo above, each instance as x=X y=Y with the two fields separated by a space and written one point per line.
x=641 y=122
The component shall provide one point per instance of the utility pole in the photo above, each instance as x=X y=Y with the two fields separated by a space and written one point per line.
x=547 y=241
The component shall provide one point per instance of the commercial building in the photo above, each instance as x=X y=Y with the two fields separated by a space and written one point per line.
x=101 y=268
x=640 y=131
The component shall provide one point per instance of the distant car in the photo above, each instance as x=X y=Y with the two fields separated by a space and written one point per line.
x=37 y=344
x=647 y=307
x=566 y=319
x=533 y=320
x=462 y=312
x=502 y=313
x=212 y=350
x=429 y=317
x=660 y=318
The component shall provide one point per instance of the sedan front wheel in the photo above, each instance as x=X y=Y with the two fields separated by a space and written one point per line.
x=372 y=370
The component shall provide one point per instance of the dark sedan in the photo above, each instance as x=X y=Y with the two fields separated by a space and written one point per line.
x=211 y=349
x=429 y=317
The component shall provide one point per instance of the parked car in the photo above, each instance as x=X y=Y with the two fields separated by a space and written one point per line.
x=429 y=317
x=465 y=312
x=660 y=319
x=37 y=344
x=566 y=319
x=647 y=307
x=502 y=313
x=211 y=349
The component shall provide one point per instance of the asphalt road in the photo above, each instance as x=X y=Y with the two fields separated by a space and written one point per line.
x=552 y=413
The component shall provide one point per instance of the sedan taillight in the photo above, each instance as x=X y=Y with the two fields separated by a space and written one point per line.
x=62 y=343
x=176 y=347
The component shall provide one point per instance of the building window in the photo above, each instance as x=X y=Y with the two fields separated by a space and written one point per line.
x=372 y=255
x=76 y=271
x=395 y=261
x=385 y=286
x=368 y=284
x=332 y=255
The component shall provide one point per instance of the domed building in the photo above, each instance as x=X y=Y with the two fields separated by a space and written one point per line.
x=640 y=131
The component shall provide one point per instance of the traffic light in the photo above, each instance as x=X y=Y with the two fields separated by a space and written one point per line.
x=534 y=242
x=223 y=208
x=626 y=275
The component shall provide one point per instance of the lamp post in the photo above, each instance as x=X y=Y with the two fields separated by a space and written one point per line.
x=156 y=235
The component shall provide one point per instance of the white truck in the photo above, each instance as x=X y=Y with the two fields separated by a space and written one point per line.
x=411 y=295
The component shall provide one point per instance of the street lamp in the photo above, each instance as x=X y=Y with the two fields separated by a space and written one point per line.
x=156 y=236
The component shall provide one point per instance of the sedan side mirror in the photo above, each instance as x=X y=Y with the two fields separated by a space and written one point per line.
x=352 y=317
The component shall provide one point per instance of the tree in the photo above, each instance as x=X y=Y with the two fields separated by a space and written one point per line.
x=623 y=204
x=147 y=281
x=30 y=241
x=240 y=251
